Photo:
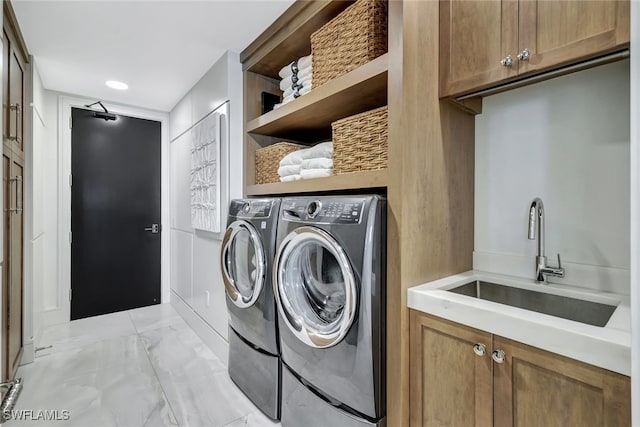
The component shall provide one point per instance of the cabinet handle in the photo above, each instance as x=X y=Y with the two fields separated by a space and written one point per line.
x=498 y=356
x=16 y=107
x=479 y=349
x=507 y=61
x=18 y=202
x=525 y=55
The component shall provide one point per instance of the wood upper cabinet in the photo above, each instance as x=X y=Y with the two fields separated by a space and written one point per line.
x=485 y=43
x=561 y=32
x=453 y=383
x=474 y=37
x=13 y=94
x=537 y=388
x=450 y=384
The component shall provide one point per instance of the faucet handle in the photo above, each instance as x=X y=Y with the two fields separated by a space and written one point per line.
x=559 y=263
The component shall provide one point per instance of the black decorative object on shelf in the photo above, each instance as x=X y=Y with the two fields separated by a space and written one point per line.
x=269 y=100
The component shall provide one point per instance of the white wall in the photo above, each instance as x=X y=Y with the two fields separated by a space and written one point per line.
x=567 y=141
x=45 y=201
x=196 y=281
x=46 y=290
x=37 y=232
x=635 y=212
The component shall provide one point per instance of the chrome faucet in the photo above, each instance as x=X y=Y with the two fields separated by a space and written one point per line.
x=536 y=217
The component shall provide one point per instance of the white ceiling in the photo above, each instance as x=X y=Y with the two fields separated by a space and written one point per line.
x=159 y=48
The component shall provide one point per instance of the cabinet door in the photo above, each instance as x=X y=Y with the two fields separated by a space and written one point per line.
x=450 y=383
x=474 y=37
x=537 y=388
x=5 y=86
x=12 y=272
x=13 y=84
x=15 y=267
x=559 y=32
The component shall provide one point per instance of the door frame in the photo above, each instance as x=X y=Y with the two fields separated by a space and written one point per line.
x=65 y=103
x=635 y=212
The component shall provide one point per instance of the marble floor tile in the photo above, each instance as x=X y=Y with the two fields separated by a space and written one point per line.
x=195 y=381
x=144 y=367
x=59 y=366
x=108 y=383
x=207 y=401
x=178 y=352
x=79 y=333
x=154 y=317
x=254 y=419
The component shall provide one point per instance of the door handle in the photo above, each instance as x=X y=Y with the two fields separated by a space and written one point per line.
x=154 y=229
x=18 y=194
x=16 y=107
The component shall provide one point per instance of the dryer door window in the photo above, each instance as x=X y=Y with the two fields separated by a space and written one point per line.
x=315 y=287
x=243 y=264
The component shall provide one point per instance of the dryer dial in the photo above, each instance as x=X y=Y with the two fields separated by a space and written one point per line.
x=313 y=208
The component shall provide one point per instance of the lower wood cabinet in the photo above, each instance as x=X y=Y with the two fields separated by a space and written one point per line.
x=462 y=376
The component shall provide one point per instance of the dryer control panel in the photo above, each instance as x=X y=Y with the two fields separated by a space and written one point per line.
x=250 y=208
x=325 y=211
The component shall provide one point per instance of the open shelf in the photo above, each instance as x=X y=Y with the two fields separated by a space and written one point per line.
x=289 y=37
x=348 y=181
x=362 y=89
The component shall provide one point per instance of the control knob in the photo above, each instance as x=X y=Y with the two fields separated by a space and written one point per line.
x=313 y=208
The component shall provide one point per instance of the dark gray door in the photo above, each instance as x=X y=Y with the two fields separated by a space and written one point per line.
x=115 y=202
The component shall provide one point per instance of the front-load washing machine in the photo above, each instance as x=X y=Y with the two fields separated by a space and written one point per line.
x=329 y=282
x=246 y=262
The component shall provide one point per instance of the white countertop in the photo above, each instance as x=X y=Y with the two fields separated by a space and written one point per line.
x=608 y=347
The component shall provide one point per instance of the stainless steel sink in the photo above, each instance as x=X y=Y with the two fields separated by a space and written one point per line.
x=591 y=313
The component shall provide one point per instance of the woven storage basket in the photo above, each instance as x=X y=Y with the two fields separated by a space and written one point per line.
x=360 y=142
x=353 y=38
x=268 y=160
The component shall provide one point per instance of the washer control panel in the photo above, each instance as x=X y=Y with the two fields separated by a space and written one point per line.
x=326 y=211
x=250 y=208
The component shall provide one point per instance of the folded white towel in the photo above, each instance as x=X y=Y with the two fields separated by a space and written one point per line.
x=305 y=62
x=315 y=173
x=290 y=178
x=318 y=151
x=304 y=88
x=319 y=163
x=288 y=99
x=289 y=170
x=300 y=64
x=292 y=97
x=292 y=159
x=289 y=81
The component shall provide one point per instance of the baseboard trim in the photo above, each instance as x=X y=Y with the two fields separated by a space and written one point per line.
x=204 y=330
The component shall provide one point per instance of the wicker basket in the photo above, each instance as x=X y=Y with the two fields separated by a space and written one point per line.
x=353 y=38
x=268 y=160
x=360 y=142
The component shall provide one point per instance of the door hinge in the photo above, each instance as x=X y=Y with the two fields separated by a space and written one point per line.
x=70 y=293
x=70 y=122
x=70 y=180
x=70 y=237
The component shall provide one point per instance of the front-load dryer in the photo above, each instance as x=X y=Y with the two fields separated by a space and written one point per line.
x=246 y=262
x=329 y=282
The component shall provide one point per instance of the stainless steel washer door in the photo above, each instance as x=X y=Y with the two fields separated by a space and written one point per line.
x=315 y=287
x=243 y=263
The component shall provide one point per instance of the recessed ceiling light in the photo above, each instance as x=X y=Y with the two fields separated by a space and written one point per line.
x=114 y=84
